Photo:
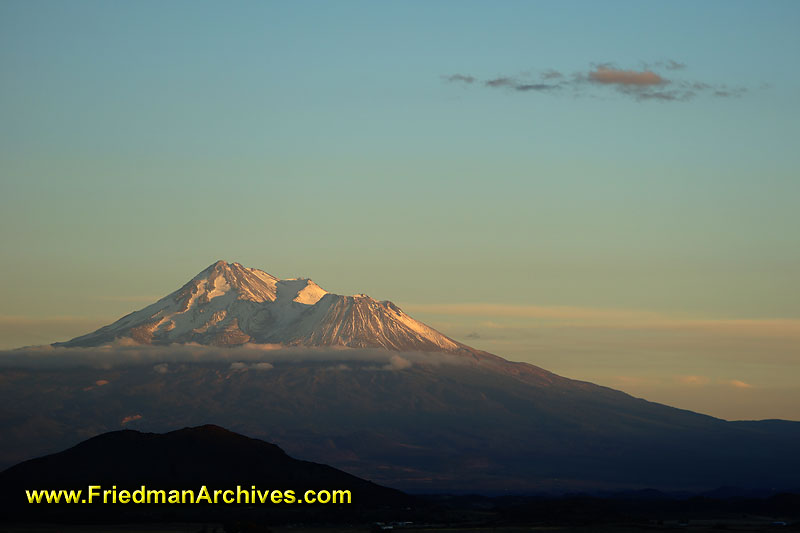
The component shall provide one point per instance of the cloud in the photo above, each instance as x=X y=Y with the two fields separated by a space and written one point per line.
x=696 y=85
x=530 y=311
x=536 y=87
x=674 y=65
x=463 y=78
x=691 y=380
x=613 y=318
x=98 y=383
x=703 y=380
x=666 y=96
x=694 y=380
x=607 y=75
x=397 y=362
x=239 y=366
x=164 y=359
x=643 y=84
x=513 y=83
x=130 y=418
x=669 y=64
x=725 y=92
x=500 y=82
x=551 y=74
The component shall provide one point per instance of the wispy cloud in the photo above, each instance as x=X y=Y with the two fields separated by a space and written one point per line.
x=461 y=78
x=97 y=384
x=690 y=380
x=694 y=380
x=529 y=311
x=612 y=318
x=725 y=92
x=500 y=82
x=639 y=84
x=536 y=87
x=130 y=418
x=517 y=85
x=674 y=65
x=609 y=75
x=669 y=64
x=551 y=74
x=642 y=84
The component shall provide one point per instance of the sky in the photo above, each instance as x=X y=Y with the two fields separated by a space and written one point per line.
x=608 y=190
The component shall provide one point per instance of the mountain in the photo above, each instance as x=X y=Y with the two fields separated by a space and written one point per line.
x=404 y=405
x=228 y=304
x=183 y=459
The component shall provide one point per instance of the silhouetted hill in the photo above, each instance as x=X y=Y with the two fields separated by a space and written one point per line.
x=184 y=459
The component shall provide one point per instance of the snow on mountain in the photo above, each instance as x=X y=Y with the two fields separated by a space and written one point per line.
x=228 y=304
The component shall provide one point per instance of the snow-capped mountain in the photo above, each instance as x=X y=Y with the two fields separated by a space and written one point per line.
x=229 y=304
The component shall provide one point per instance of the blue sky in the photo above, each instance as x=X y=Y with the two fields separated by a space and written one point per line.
x=143 y=141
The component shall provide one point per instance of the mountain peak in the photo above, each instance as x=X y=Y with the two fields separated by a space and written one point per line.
x=230 y=304
x=300 y=290
x=221 y=278
x=217 y=266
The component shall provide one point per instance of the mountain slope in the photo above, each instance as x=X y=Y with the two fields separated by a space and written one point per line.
x=438 y=423
x=228 y=304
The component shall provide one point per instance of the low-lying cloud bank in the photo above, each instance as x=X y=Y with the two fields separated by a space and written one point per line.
x=257 y=357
